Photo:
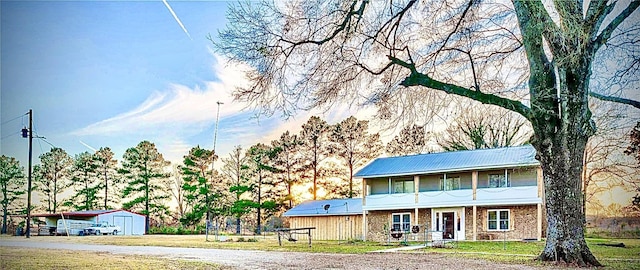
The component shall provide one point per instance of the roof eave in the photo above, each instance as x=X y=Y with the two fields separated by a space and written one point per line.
x=508 y=166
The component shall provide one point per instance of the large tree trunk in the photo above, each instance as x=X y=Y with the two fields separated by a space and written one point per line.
x=561 y=138
x=562 y=163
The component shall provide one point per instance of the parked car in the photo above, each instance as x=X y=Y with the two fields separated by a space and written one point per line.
x=102 y=228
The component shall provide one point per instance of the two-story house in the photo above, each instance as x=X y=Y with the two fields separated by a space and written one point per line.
x=463 y=195
x=467 y=195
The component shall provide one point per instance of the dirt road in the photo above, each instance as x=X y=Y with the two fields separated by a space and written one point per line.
x=251 y=259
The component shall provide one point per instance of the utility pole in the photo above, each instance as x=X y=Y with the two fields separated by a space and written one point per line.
x=30 y=136
x=213 y=160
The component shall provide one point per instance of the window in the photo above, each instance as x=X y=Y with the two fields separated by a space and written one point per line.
x=498 y=181
x=450 y=183
x=401 y=221
x=403 y=186
x=498 y=220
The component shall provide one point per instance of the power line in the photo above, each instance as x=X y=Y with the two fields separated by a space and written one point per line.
x=13 y=119
x=10 y=135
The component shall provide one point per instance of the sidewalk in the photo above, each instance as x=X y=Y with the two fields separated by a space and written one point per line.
x=405 y=248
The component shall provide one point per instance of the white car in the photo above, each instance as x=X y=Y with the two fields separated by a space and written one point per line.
x=102 y=228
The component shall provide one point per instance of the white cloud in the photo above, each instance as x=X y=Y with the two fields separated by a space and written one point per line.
x=178 y=110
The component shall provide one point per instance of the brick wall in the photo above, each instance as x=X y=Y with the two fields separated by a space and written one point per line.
x=523 y=223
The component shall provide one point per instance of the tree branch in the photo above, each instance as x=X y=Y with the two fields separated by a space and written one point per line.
x=419 y=79
x=620 y=100
x=341 y=27
x=606 y=33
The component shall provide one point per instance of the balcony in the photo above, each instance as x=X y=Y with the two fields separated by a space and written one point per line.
x=454 y=198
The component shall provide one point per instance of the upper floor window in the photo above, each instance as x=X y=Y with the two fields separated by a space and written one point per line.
x=401 y=221
x=498 y=181
x=403 y=186
x=450 y=183
x=498 y=220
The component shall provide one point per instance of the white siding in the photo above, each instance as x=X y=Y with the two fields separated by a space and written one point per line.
x=130 y=223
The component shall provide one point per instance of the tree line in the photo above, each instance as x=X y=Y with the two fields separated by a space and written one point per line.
x=252 y=184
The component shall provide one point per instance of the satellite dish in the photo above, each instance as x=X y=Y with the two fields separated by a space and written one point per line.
x=326 y=207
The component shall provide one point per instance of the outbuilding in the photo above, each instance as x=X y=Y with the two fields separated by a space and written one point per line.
x=338 y=219
x=130 y=223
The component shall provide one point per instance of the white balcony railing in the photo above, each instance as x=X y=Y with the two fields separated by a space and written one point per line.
x=390 y=201
x=445 y=198
x=510 y=194
x=450 y=198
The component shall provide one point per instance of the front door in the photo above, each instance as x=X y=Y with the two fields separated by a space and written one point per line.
x=449 y=221
x=448 y=224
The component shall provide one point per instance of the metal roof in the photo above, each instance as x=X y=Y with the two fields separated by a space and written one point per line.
x=335 y=207
x=87 y=213
x=481 y=159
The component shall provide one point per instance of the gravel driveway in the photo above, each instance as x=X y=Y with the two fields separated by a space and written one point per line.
x=251 y=259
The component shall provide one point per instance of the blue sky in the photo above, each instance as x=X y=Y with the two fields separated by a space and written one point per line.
x=119 y=72
x=115 y=73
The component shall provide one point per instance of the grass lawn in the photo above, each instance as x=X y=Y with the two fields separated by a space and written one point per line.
x=507 y=252
x=27 y=258
x=269 y=243
x=525 y=252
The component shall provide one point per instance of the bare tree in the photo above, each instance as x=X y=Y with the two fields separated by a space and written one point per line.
x=410 y=141
x=634 y=150
x=605 y=164
x=236 y=169
x=174 y=184
x=526 y=57
x=490 y=127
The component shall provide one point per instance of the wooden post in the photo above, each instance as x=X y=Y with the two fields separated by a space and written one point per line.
x=539 y=236
x=540 y=182
x=364 y=225
x=475 y=223
x=279 y=240
x=474 y=184
x=416 y=187
x=309 y=233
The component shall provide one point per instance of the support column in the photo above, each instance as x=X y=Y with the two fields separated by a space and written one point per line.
x=364 y=225
x=475 y=223
x=474 y=185
x=539 y=236
x=365 y=191
x=540 y=183
x=416 y=187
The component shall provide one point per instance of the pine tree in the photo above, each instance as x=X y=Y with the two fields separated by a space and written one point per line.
x=55 y=170
x=85 y=183
x=143 y=166
x=12 y=187
x=352 y=143
x=107 y=171
x=314 y=148
x=198 y=190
